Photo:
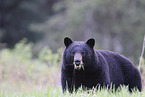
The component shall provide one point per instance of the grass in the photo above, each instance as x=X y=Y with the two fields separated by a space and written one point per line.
x=57 y=92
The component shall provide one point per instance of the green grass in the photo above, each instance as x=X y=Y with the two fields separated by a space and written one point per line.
x=57 y=92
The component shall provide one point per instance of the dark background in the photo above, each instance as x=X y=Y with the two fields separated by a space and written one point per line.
x=117 y=25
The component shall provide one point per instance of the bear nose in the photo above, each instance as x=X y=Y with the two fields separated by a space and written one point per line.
x=77 y=62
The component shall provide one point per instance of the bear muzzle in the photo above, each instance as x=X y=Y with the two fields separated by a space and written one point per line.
x=78 y=63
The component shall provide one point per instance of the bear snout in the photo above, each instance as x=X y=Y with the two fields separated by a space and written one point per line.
x=77 y=56
x=77 y=62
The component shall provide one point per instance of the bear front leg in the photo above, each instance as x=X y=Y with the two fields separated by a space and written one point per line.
x=67 y=84
x=106 y=81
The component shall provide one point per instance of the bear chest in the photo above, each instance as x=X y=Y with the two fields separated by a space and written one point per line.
x=86 y=79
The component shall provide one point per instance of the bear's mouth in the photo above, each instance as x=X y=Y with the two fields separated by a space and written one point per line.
x=78 y=66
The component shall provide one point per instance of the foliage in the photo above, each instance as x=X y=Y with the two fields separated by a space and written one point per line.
x=22 y=75
x=116 y=25
x=19 y=71
x=17 y=15
x=49 y=58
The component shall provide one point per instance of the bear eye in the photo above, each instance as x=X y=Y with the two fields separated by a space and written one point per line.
x=73 y=52
x=82 y=52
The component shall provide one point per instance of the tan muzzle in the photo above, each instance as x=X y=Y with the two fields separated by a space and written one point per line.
x=78 y=63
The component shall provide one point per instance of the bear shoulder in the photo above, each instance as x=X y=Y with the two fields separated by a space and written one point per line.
x=113 y=56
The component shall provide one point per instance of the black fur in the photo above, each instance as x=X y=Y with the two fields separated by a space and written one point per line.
x=101 y=67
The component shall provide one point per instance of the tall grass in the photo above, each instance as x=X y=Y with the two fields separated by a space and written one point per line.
x=56 y=92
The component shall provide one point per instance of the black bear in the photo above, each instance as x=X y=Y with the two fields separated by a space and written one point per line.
x=84 y=66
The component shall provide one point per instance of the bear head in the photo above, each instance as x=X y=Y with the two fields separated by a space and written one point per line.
x=78 y=55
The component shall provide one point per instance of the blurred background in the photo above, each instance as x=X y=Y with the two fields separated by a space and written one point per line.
x=32 y=33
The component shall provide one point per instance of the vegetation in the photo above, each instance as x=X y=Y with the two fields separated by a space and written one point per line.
x=20 y=72
x=56 y=92
x=33 y=69
x=25 y=76
x=116 y=25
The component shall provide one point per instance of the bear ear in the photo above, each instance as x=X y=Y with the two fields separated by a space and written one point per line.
x=91 y=42
x=67 y=41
